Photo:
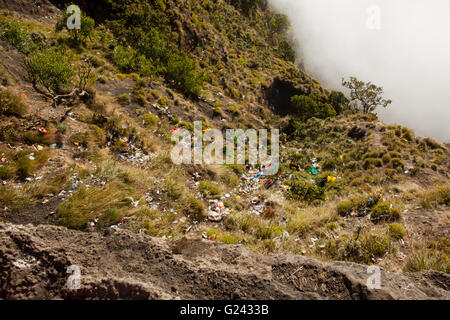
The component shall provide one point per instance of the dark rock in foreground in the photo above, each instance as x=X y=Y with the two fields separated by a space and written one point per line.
x=122 y=265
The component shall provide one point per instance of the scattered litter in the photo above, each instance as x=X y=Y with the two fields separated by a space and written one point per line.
x=133 y=203
x=313 y=240
x=25 y=263
x=401 y=256
x=217 y=211
x=43 y=130
x=124 y=220
x=212 y=237
x=283 y=220
x=183 y=219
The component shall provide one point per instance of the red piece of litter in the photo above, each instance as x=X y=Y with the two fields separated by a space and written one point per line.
x=43 y=130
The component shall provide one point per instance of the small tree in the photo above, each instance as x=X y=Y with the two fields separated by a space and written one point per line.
x=286 y=51
x=279 y=24
x=181 y=70
x=78 y=36
x=365 y=97
x=304 y=106
x=311 y=106
x=86 y=75
x=49 y=70
x=339 y=101
x=51 y=75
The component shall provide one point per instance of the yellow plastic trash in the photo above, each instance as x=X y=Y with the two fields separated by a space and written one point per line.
x=331 y=179
x=341 y=157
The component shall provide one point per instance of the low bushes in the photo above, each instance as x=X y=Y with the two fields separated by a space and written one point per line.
x=209 y=189
x=427 y=259
x=396 y=231
x=50 y=69
x=12 y=32
x=194 y=208
x=310 y=106
x=359 y=205
x=11 y=104
x=364 y=249
x=436 y=197
x=303 y=191
x=384 y=211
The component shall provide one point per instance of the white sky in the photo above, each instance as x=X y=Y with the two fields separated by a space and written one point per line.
x=409 y=55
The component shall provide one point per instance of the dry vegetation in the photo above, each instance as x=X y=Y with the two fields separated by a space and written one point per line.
x=109 y=152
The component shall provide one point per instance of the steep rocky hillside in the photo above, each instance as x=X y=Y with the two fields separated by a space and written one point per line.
x=85 y=125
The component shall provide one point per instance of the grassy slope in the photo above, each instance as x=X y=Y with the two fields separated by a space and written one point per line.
x=240 y=57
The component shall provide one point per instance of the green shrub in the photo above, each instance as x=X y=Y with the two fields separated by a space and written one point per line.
x=209 y=189
x=384 y=211
x=80 y=35
x=375 y=245
x=345 y=250
x=305 y=192
x=149 y=120
x=174 y=191
x=50 y=69
x=396 y=231
x=234 y=110
x=397 y=163
x=87 y=204
x=181 y=72
x=426 y=259
x=6 y=172
x=217 y=112
x=25 y=165
x=13 y=33
x=11 y=104
x=339 y=101
x=436 y=197
x=194 y=208
x=345 y=208
x=109 y=217
x=237 y=169
x=124 y=99
x=306 y=107
x=433 y=144
x=372 y=163
x=247 y=6
x=279 y=23
x=128 y=60
x=286 y=51
x=359 y=205
x=386 y=158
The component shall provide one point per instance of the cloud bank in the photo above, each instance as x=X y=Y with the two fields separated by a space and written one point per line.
x=406 y=50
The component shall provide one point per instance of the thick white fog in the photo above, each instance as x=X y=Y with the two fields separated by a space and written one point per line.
x=404 y=47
